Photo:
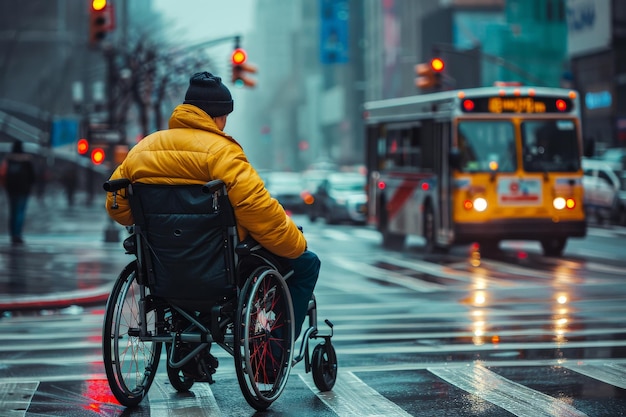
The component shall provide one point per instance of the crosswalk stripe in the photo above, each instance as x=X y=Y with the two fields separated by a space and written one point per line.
x=385 y=349
x=335 y=235
x=511 y=396
x=383 y=274
x=165 y=402
x=15 y=397
x=419 y=366
x=352 y=397
x=610 y=373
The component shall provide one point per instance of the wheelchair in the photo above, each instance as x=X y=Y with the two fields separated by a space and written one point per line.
x=193 y=285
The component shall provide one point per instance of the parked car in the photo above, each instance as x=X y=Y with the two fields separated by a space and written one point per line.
x=341 y=196
x=285 y=187
x=605 y=191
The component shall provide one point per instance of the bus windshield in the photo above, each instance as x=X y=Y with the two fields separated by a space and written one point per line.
x=487 y=146
x=550 y=145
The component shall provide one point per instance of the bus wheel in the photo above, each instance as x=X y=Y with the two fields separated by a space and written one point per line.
x=393 y=240
x=390 y=240
x=429 y=230
x=489 y=247
x=553 y=246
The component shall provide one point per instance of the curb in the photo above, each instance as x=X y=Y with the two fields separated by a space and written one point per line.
x=97 y=295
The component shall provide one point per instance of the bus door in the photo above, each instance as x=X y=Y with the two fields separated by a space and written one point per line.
x=439 y=136
x=375 y=148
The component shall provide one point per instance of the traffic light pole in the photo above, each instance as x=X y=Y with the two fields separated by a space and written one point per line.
x=499 y=61
x=211 y=42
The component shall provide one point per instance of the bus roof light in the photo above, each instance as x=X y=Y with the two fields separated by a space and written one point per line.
x=561 y=105
x=468 y=105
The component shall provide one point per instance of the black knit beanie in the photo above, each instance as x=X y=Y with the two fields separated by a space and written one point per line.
x=207 y=92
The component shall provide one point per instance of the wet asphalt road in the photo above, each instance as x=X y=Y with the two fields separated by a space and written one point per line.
x=514 y=334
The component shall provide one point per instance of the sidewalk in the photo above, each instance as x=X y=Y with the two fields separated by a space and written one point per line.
x=65 y=260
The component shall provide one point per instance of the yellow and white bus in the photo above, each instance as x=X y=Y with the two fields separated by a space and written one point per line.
x=477 y=165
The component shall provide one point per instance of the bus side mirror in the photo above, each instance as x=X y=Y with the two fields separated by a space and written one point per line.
x=454 y=158
x=589 y=147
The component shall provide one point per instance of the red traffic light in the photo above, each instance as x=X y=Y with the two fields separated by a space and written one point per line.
x=239 y=56
x=97 y=156
x=241 y=69
x=437 y=64
x=82 y=146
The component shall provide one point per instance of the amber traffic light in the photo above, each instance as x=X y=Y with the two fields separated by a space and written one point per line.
x=437 y=64
x=430 y=74
x=98 y=156
x=241 y=69
x=100 y=21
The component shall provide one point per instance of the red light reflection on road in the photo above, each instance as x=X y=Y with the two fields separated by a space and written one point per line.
x=99 y=392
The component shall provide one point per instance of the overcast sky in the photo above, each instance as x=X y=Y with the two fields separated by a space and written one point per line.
x=205 y=20
x=200 y=20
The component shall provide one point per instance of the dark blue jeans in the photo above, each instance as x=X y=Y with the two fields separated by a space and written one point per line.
x=17 y=214
x=306 y=270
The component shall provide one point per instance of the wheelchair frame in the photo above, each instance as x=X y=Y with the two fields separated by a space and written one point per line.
x=256 y=326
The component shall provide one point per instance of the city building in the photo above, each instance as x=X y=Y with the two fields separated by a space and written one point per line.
x=597 y=51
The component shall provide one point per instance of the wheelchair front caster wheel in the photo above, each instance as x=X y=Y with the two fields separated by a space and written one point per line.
x=324 y=366
x=180 y=382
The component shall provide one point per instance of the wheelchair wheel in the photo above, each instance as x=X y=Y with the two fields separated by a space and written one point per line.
x=264 y=333
x=180 y=382
x=324 y=366
x=130 y=363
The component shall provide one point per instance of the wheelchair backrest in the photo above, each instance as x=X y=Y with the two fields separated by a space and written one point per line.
x=186 y=242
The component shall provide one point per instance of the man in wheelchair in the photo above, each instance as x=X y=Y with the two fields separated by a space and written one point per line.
x=196 y=151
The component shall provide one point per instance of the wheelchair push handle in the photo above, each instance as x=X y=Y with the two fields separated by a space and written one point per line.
x=115 y=185
x=214 y=186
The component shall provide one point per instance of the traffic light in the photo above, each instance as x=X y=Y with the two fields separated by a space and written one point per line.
x=430 y=75
x=82 y=146
x=100 y=21
x=98 y=156
x=241 y=69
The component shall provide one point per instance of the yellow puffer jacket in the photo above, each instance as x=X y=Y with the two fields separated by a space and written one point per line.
x=195 y=151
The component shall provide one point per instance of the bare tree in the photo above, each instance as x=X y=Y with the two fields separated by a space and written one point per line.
x=144 y=74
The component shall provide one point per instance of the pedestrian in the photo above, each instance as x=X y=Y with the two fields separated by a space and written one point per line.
x=69 y=180
x=19 y=177
x=195 y=150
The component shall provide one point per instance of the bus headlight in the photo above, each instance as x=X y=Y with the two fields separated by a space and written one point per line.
x=480 y=204
x=558 y=203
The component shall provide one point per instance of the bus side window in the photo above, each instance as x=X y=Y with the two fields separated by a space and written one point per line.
x=410 y=149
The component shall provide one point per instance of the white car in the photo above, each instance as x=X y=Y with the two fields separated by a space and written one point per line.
x=340 y=197
x=605 y=191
